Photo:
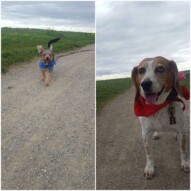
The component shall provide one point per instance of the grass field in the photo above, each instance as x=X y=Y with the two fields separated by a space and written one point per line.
x=108 y=89
x=19 y=45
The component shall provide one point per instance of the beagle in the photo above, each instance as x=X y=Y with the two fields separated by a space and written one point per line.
x=47 y=61
x=159 y=106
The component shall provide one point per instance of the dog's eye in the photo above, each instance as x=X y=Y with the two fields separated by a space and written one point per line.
x=142 y=70
x=160 y=69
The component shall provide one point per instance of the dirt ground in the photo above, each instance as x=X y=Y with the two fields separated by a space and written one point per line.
x=120 y=154
x=48 y=133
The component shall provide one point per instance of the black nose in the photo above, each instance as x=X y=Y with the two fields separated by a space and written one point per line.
x=146 y=85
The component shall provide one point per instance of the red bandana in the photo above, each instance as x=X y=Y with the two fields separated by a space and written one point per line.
x=146 y=110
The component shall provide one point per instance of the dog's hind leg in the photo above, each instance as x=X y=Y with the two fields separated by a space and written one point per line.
x=184 y=159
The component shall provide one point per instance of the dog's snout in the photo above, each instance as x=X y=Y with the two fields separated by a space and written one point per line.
x=146 y=85
x=47 y=58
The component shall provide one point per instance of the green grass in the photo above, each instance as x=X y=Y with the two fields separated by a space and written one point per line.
x=108 y=89
x=19 y=45
x=186 y=81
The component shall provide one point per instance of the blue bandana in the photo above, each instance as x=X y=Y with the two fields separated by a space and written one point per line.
x=48 y=66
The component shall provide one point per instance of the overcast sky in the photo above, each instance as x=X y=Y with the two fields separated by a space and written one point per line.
x=65 y=16
x=127 y=32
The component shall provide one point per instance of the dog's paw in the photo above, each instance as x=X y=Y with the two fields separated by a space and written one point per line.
x=185 y=165
x=43 y=79
x=156 y=136
x=175 y=136
x=47 y=82
x=149 y=171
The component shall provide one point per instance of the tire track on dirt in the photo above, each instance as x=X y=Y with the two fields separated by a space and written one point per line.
x=120 y=152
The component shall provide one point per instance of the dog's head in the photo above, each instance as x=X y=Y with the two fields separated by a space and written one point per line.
x=45 y=55
x=154 y=78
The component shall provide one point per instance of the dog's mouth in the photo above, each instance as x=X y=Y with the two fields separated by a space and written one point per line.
x=151 y=98
x=46 y=60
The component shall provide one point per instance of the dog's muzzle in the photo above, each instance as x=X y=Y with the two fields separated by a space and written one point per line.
x=151 y=97
x=47 y=59
x=146 y=85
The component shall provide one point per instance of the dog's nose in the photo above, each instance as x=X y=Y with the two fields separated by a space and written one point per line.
x=146 y=85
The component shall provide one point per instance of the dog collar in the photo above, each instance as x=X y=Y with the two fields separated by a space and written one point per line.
x=141 y=108
x=47 y=63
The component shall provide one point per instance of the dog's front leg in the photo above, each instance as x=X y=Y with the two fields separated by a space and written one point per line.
x=147 y=138
x=48 y=78
x=43 y=77
x=184 y=160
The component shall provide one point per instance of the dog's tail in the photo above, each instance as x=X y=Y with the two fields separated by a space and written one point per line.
x=53 y=40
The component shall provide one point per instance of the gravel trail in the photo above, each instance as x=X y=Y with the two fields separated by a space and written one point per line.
x=48 y=133
x=120 y=153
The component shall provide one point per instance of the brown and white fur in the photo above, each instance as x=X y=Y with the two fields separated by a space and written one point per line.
x=46 y=56
x=157 y=77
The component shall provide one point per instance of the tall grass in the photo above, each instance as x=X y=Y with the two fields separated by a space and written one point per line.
x=19 y=45
x=108 y=89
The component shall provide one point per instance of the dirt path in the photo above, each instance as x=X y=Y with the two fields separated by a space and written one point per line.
x=48 y=132
x=120 y=153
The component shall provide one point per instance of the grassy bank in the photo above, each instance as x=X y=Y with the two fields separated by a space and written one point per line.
x=186 y=81
x=19 y=45
x=108 y=89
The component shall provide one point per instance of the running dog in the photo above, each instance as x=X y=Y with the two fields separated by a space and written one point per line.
x=47 y=61
x=159 y=105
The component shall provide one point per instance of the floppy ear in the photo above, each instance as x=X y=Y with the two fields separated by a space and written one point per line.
x=134 y=75
x=174 y=71
x=40 y=49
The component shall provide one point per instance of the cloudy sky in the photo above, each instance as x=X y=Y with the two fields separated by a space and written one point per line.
x=65 y=16
x=127 y=32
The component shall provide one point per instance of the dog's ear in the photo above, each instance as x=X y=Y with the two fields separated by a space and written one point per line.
x=40 y=49
x=134 y=75
x=174 y=73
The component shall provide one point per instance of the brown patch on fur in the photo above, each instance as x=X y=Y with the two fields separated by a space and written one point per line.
x=169 y=78
x=174 y=72
x=136 y=81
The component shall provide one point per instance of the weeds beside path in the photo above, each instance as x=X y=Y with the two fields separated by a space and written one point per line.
x=19 y=45
x=108 y=89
